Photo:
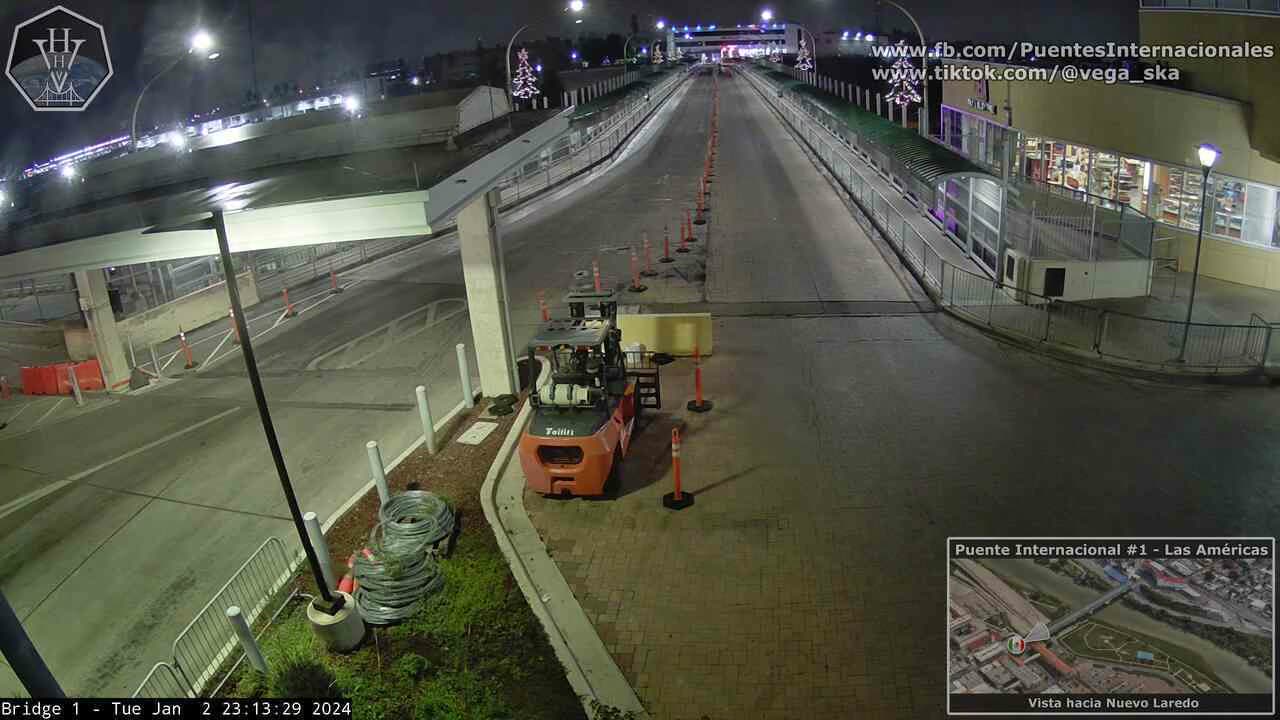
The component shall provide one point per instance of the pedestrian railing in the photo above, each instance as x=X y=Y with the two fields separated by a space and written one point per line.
x=1107 y=334
x=203 y=649
x=579 y=149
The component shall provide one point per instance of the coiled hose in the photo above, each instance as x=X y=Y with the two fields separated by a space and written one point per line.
x=400 y=569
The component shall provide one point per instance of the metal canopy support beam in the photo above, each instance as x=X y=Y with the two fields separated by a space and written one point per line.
x=484 y=272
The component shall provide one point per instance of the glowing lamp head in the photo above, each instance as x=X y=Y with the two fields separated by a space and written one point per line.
x=576 y=6
x=870 y=37
x=662 y=25
x=1208 y=155
x=68 y=172
x=351 y=103
x=766 y=15
x=201 y=41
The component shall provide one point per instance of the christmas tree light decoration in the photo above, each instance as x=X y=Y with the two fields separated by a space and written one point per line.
x=904 y=85
x=803 y=62
x=525 y=85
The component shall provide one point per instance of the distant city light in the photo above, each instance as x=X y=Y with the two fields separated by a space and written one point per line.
x=698 y=28
x=662 y=24
x=352 y=104
x=870 y=37
x=844 y=35
x=177 y=139
x=68 y=172
x=766 y=15
x=573 y=55
x=538 y=67
x=215 y=55
x=858 y=36
x=414 y=80
x=687 y=36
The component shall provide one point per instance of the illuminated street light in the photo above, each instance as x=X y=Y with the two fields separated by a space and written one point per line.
x=68 y=172
x=351 y=103
x=576 y=6
x=766 y=15
x=1208 y=155
x=201 y=43
x=662 y=25
x=573 y=55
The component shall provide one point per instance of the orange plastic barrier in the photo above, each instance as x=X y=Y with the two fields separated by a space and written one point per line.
x=53 y=379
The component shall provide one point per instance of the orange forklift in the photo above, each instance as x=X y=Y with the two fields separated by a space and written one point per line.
x=585 y=415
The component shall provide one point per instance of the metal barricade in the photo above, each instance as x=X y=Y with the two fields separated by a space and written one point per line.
x=163 y=682
x=207 y=642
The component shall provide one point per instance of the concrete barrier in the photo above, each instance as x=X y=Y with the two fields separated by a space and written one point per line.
x=187 y=312
x=674 y=333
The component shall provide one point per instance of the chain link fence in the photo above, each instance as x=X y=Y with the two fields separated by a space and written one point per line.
x=1110 y=335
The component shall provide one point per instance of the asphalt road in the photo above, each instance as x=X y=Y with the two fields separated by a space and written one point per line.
x=124 y=521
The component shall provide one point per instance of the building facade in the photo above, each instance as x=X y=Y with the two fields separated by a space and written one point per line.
x=1133 y=145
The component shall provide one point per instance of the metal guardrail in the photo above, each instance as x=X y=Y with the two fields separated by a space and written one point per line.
x=1108 y=334
x=163 y=682
x=1261 y=7
x=205 y=645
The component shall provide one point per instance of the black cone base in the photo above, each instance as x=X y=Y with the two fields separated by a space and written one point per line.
x=693 y=406
x=670 y=502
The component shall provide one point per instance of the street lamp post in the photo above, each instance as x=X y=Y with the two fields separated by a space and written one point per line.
x=201 y=43
x=767 y=16
x=1208 y=155
x=574 y=6
x=924 y=65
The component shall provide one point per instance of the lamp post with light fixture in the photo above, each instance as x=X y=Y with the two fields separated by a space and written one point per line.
x=767 y=15
x=924 y=65
x=574 y=6
x=202 y=44
x=1208 y=155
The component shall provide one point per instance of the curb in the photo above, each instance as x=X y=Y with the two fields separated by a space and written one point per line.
x=590 y=669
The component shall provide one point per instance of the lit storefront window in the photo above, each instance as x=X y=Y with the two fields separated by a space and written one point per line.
x=1132 y=181
x=1102 y=175
x=1228 y=212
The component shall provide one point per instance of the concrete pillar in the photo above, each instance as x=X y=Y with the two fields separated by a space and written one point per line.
x=485 y=274
x=108 y=348
x=878 y=104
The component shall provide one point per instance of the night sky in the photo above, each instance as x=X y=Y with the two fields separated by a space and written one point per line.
x=302 y=40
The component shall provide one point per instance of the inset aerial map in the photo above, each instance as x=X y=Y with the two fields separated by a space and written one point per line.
x=1111 y=626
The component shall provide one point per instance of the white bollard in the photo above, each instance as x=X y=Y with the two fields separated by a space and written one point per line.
x=75 y=385
x=428 y=424
x=464 y=371
x=316 y=535
x=378 y=471
x=247 y=642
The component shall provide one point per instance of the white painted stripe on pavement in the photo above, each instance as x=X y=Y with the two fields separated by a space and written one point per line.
x=153 y=444
x=49 y=412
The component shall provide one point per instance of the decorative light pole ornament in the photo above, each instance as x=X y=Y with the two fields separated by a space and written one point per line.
x=904 y=83
x=525 y=84
x=803 y=62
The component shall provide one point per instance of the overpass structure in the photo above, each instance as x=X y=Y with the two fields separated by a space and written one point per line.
x=1097 y=604
x=273 y=213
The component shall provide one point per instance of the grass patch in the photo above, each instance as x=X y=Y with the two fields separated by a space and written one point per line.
x=474 y=651
x=1086 y=641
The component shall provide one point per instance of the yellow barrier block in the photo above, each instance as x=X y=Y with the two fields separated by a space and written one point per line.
x=674 y=333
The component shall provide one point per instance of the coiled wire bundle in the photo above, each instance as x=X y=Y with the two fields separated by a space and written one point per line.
x=400 y=569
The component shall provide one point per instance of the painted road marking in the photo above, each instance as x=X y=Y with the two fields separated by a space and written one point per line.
x=49 y=412
x=433 y=318
x=14 y=505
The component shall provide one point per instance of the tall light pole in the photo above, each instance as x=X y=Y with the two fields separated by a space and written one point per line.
x=574 y=6
x=201 y=44
x=924 y=65
x=766 y=15
x=1208 y=155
